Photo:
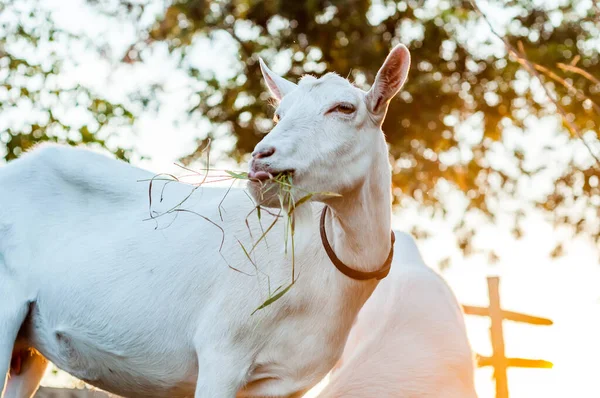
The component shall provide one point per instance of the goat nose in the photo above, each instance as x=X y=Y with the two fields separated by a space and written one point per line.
x=263 y=153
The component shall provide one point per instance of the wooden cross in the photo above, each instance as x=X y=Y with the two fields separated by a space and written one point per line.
x=498 y=360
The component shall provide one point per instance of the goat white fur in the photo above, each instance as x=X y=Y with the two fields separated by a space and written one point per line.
x=409 y=339
x=153 y=310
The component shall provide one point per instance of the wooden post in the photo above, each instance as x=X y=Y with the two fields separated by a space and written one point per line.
x=498 y=360
x=497 y=336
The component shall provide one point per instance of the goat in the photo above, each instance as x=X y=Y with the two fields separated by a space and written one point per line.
x=409 y=339
x=146 y=310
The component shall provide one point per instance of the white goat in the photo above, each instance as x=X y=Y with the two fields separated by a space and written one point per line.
x=409 y=339
x=142 y=311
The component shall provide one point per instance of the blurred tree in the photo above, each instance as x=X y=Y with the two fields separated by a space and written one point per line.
x=34 y=97
x=472 y=119
x=463 y=119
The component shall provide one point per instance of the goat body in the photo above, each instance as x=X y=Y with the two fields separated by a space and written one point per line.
x=162 y=308
x=409 y=339
x=141 y=308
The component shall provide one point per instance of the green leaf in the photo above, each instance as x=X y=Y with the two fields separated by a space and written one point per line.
x=241 y=175
x=274 y=298
x=332 y=194
x=300 y=202
x=248 y=255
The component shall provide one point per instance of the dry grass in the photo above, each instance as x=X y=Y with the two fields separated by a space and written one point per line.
x=288 y=203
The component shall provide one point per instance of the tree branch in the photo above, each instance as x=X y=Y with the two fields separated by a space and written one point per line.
x=530 y=67
x=579 y=71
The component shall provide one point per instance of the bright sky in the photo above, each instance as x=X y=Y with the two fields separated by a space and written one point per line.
x=565 y=290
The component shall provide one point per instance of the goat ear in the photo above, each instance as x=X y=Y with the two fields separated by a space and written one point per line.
x=389 y=81
x=278 y=86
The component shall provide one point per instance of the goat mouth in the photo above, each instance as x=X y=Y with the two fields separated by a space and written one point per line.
x=262 y=176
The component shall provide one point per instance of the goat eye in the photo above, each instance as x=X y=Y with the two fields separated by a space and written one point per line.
x=276 y=118
x=344 y=108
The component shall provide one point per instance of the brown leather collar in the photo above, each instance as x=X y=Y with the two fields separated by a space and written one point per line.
x=349 y=272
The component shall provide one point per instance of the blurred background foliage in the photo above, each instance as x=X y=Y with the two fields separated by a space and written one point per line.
x=473 y=119
x=30 y=82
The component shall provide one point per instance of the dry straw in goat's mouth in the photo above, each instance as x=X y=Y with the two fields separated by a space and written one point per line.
x=287 y=206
